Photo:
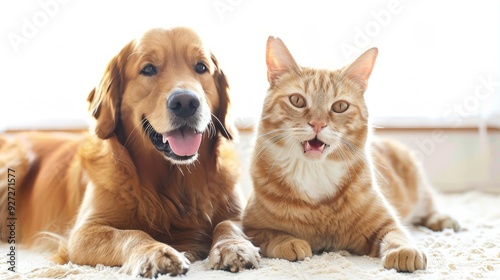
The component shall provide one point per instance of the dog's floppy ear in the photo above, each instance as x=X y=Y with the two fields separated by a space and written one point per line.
x=223 y=124
x=104 y=100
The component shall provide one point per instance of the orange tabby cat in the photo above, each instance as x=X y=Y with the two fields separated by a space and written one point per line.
x=320 y=184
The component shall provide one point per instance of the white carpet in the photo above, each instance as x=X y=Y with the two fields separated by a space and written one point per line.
x=472 y=253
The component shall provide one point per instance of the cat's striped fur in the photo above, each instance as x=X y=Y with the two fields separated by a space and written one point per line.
x=320 y=183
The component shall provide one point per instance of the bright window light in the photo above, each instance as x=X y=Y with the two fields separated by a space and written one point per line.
x=438 y=60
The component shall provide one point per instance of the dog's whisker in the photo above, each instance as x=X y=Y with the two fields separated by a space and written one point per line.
x=180 y=169
x=211 y=130
x=222 y=125
x=135 y=129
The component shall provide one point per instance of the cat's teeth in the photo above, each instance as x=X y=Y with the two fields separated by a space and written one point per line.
x=308 y=147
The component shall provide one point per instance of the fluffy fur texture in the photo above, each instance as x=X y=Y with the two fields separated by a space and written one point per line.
x=320 y=184
x=140 y=191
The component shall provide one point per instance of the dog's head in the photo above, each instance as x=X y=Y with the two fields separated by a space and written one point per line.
x=166 y=87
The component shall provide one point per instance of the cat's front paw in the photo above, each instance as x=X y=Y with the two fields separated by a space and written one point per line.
x=293 y=250
x=405 y=259
x=234 y=255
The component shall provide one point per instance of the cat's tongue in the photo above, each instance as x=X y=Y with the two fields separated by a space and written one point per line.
x=183 y=141
x=314 y=145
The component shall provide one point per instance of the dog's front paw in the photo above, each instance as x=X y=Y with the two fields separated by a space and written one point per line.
x=292 y=250
x=234 y=255
x=156 y=259
x=405 y=259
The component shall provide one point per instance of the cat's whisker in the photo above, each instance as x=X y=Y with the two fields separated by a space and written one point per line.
x=366 y=161
x=343 y=157
x=361 y=155
x=287 y=130
x=344 y=138
x=268 y=143
x=357 y=158
x=263 y=118
x=289 y=148
x=272 y=132
x=355 y=151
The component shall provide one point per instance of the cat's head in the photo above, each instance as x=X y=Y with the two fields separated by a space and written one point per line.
x=315 y=113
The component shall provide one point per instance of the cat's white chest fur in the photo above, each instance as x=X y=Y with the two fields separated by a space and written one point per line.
x=316 y=179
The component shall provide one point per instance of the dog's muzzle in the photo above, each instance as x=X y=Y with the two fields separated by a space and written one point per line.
x=182 y=143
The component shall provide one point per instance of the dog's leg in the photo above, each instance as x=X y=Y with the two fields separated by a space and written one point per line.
x=134 y=250
x=231 y=249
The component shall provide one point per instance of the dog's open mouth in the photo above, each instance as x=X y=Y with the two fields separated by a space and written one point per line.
x=180 y=144
x=314 y=146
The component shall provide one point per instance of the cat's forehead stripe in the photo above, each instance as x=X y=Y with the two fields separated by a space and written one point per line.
x=320 y=83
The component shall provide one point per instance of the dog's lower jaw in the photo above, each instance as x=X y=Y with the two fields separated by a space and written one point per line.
x=187 y=161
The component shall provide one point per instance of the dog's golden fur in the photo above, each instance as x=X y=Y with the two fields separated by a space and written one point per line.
x=117 y=199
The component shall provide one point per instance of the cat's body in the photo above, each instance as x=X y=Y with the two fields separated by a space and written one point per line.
x=319 y=183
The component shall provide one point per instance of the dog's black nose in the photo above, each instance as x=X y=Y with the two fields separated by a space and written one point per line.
x=183 y=103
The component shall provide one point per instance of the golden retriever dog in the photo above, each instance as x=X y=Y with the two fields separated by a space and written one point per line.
x=152 y=187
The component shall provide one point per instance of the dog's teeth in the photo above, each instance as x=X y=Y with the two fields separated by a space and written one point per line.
x=164 y=138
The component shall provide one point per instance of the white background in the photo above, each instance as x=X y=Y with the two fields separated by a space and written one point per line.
x=435 y=57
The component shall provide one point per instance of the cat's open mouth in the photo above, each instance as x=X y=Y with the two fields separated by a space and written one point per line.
x=314 y=146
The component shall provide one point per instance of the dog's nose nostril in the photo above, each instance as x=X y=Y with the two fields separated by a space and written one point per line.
x=183 y=103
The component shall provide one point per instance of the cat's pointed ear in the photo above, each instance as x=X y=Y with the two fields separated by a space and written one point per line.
x=279 y=60
x=361 y=69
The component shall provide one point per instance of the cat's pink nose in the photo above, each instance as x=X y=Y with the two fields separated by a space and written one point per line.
x=317 y=126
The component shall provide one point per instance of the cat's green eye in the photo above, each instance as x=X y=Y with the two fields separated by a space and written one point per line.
x=340 y=106
x=298 y=100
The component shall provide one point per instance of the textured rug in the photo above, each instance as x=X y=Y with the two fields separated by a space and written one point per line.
x=471 y=253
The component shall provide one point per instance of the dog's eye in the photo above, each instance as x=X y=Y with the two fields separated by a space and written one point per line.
x=149 y=70
x=200 y=68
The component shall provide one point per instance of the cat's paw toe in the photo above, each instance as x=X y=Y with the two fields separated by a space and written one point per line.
x=293 y=250
x=405 y=259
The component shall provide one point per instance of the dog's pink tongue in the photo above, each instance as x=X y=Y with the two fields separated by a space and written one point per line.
x=183 y=141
